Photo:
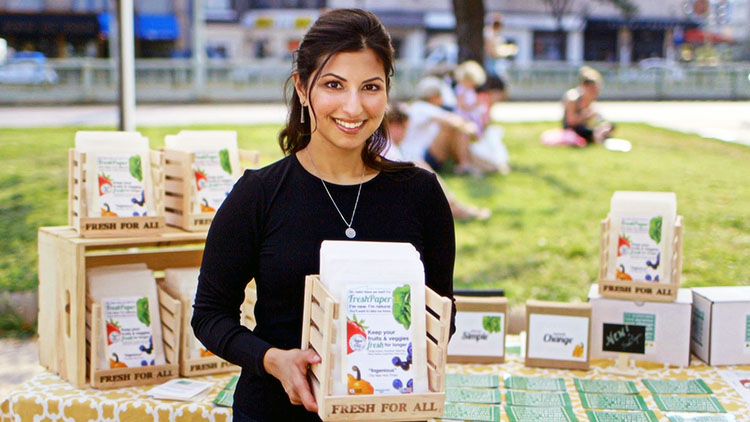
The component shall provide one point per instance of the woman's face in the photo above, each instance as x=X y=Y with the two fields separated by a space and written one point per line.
x=349 y=99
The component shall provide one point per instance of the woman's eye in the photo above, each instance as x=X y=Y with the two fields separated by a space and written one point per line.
x=333 y=84
x=372 y=87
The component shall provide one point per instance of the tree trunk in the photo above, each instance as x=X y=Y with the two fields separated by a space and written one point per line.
x=469 y=27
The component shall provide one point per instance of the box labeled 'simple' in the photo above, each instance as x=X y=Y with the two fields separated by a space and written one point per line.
x=481 y=326
x=667 y=326
x=721 y=325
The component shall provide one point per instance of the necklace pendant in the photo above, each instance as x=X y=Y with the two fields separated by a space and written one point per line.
x=350 y=233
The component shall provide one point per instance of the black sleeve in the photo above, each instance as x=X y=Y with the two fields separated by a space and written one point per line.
x=230 y=261
x=439 y=243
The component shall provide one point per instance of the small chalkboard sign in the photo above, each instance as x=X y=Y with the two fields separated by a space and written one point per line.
x=624 y=338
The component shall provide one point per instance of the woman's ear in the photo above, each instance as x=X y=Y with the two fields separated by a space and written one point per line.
x=300 y=88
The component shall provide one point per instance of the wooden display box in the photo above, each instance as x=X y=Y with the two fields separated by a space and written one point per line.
x=64 y=257
x=170 y=312
x=207 y=365
x=636 y=290
x=319 y=333
x=112 y=226
x=550 y=324
x=179 y=198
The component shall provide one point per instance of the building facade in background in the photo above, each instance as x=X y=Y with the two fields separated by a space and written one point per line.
x=588 y=30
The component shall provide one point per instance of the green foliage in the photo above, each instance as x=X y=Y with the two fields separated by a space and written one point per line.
x=402 y=305
x=654 y=229
x=136 y=169
x=225 y=163
x=144 y=315
x=491 y=324
x=12 y=325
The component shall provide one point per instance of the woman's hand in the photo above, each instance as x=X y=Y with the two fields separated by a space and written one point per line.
x=290 y=367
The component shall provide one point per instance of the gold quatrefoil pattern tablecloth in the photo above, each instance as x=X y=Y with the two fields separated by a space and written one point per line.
x=47 y=397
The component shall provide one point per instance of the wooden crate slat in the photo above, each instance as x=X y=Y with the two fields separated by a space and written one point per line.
x=435 y=354
x=156 y=259
x=316 y=340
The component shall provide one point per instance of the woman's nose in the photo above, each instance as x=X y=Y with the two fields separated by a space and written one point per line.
x=352 y=104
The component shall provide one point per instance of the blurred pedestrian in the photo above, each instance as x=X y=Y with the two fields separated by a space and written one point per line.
x=580 y=113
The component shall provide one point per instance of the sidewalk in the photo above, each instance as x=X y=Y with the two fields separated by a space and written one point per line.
x=19 y=361
x=724 y=120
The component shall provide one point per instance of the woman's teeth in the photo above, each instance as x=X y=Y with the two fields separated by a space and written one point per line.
x=349 y=125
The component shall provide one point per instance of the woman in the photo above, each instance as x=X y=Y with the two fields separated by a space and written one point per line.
x=333 y=184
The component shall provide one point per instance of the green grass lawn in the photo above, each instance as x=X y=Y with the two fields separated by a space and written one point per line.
x=542 y=240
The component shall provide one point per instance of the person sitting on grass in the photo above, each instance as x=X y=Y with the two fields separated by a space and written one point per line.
x=435 y=135
x=398 y=122
x=579 y=111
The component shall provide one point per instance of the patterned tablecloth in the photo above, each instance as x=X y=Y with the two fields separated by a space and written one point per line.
x=46 y=397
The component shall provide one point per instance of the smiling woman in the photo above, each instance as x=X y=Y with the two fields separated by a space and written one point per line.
x=333 y=184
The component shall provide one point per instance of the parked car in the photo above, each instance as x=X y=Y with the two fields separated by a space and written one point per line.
x=27 y=68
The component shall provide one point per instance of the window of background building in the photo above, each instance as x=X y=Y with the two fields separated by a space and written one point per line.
x=600 y=45
x=287 y=4
x=648 y=43
x=89 y=6
x=549 y=45
x=24 y=5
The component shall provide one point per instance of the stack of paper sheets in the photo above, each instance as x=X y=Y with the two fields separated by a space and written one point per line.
x=181 y=389
x=216 y=166
x=131 y=335
x=118 y=174
x=184 y=282
x=381 y=344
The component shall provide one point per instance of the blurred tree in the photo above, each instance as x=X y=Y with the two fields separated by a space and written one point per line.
x=469 y=27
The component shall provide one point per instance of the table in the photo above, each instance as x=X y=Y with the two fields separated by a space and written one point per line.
x=50 y=398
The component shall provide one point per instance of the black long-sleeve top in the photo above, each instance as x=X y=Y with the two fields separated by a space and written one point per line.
x=270 y=227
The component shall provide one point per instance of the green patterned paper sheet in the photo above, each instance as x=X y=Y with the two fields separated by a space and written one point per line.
x=540 y=414
x=688 y=404
x=605 y=386
x=225 y=398
x=472 y=412
x=472 y=395
x=537 y=399
x=612 y=416
x=696 y=386
x=698 y=417
x=535 y=383
x=613 y=401
x=475 y=381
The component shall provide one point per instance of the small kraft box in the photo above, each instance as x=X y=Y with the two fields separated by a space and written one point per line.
x=558 y=334
x=667 y=326
x=180 y=199
x=481 y=326
x=321 y=310
x=721 y=325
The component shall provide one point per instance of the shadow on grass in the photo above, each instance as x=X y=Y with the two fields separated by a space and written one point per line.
x=551 y=180
x=499 y=272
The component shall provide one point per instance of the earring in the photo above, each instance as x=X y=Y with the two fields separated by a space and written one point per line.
x=302 y=114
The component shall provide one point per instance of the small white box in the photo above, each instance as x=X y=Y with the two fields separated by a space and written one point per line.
x=721 y=325
x=667 y=326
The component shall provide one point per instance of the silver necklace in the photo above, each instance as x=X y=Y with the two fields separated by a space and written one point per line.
x=349 y=232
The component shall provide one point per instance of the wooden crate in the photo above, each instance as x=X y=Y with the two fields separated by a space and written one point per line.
x=112 y=226
x=636 y=290
x=192 y=367
x=319 y=333
x=170 y=311
x=179 y=197
x=64 y=257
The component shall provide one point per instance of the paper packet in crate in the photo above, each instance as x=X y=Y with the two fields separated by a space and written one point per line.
x=381 y=339
x=118 y=168
x=216 y=167
x=640 y=239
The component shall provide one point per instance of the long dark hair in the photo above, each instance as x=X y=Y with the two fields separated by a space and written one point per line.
x=339 y=30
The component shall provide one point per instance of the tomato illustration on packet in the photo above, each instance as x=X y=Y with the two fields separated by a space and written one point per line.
x=113 y=332
x=623 y=245
x=356 y=335
x=201 y=179
x=105 y=184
